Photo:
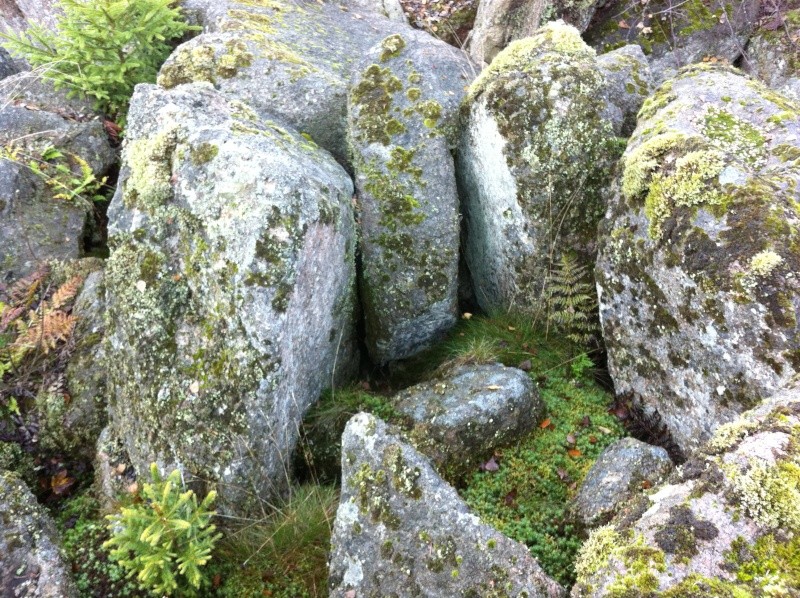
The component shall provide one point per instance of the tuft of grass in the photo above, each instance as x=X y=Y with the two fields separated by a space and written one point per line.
x=284 y=555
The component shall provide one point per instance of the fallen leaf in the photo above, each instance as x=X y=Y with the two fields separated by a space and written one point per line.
x=574 y=453
x=121 y=468
x=570 y=438
x=604 y=430
x=545 y=423
x=491 y=465
x=466 y=316
x=510 y=499
x=563 y=475
x=494 y=387
x=593 y=439
x=646 y=484
x=586 y=422
x=526 y=365
x=217 y=581
x=511 y=328
x=61 y=482
x=623 y=24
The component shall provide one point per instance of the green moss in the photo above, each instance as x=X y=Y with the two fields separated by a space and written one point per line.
x=150 y=160
x=392 y=46
x=373 y=96
x=734 y=135
x=770 y=494
x=203 y=153
x=205 y=63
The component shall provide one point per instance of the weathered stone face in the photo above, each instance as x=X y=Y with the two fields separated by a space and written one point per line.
x=460 y=418
x=533 y=158
x=499 y=22
x=620 y=473
x=726 y=523
x=697 y=267
x=772 y=56
x=402 y=113
x=401 y=530
x=628 y=83
x=289 y=61
x=673 y=35
x=32 y=565
x=230 y=289
x=35 y=224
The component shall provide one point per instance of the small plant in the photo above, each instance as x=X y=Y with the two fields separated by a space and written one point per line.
x=571 y=301
x=167 y=538
x=102 y=48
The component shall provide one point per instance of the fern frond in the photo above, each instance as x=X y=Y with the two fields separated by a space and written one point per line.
x=66 y=292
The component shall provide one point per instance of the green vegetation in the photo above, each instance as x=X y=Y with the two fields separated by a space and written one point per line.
x=103 y=48
x=285 y=554
x=167 y=538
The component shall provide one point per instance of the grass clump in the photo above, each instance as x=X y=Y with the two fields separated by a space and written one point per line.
x=285 y=554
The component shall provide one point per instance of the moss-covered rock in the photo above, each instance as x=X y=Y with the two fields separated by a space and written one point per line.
x=773 y=55
x=675 y=35
x=533 y=159
x=287 y=60
x=230 y=290
x=402 y=114
x=725 y=525
x=32 y=563
x=699 y=252
x=35 y=224
x=499 y=22
x=400 y=530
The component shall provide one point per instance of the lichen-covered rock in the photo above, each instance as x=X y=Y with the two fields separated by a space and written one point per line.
x=35 y=224
x=71 y=418
x=16 y=14
x=461 y=417
x=31 y=562
x=229 y=290
x=288 y=60
x=402 y=531
x=533 y=160
x=675 y=35
x=8 y=66
x=773 y=56
x=726 y=524
x=698 y=261
x=622 y=470
x=402 y=114
x=628 y=83
x=499 y=22
x=391 y=9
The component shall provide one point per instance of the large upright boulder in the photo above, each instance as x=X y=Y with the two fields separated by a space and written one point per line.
x=697 y=267
x=35 y=223
x=400 y=530
x=772 y=54
x=402 y=112
x=727 y=524
x=674 y=35
x=288 y=60
x=533 y=159
x=499 y=22
x=15 y=15
x=230 y=290
x=31 y=562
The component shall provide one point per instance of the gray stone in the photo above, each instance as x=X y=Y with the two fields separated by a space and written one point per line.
x=391 y=9
x=32 y=565
x=697 y=267
x=533 y=161
x=289 y=61
x=460 y=418
x=16 y=14
x=622 y=470
x=8 y=66
x=628 y=83
x=730 y=511
x=35 y=225
x=674 y=35
x=400 y=530
x=230 y=290
x=772 y=56
x=403 y=109
x=499 y=22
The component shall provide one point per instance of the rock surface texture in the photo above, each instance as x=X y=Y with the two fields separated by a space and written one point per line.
x=230 y=289
x=499 y=22
x=772 y=56
x=402 y=114
x=289 y=61
x=628 y=83
x=621 y=471
x=35 y=224
x=533 y=160
x=675 y=35
x=460 y=418
x=401 y=530
x=697 y=268
x=726 y=524
x=31 y=563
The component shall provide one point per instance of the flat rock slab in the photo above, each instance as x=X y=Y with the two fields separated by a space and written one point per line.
x=400 y=530
x=622 y=470
x=460 y=418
